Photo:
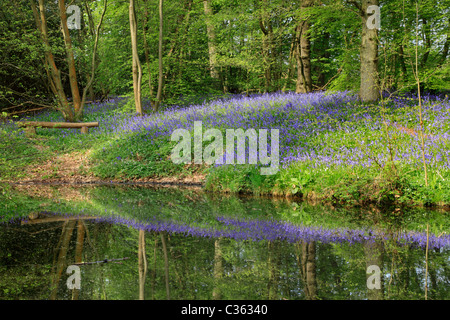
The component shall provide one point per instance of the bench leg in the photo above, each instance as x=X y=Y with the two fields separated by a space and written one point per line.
x=84 y=130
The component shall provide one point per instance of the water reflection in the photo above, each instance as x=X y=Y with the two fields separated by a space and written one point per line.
x=177 y=251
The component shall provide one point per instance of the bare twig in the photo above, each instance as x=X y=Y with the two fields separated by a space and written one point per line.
x=101 y=261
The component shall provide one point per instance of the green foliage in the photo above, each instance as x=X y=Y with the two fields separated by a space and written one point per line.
x=26 y=152
x=335 y=29
x=134 y=156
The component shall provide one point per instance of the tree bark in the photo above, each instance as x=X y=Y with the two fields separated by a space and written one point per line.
x=303 y=52
x=146 y=50
x=78 y=111
x=444 y=54
x=137 y=69
x=94 y=62
x=160 y=59
x=211 y=33
x=53 y=72
x=369 y=87
x=309 y=269
x=266 y=28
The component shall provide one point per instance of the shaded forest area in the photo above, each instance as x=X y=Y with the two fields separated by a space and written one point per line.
x=167 y=52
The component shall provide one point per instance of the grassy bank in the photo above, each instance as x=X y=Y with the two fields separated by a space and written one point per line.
x=332 y=147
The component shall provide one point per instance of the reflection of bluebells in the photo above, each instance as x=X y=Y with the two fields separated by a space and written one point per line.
x=271 y=230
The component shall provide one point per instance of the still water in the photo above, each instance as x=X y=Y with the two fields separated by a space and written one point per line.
x=128 y=242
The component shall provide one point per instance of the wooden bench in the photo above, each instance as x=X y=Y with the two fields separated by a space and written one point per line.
x=30 y=126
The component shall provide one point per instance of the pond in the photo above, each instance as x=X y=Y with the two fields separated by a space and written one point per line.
x=135 y=242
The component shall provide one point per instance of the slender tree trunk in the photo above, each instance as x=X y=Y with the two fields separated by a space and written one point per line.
x=211 y=33
x=94 y=64
x=92 y=33
x=303 y=51
x=78 y=112
x=94 y=60
x=160 y=59
x=137 y=69
x=265 y=26
x=146 y=50
x=444 y=55
x=184 y=32
x=369 y=88
x=290 y=69
x=401 y=56
x=427 y=37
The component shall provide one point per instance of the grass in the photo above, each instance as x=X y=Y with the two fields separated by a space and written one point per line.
x=332 y=147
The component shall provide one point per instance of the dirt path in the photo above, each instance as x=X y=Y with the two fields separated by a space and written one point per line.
x=74 y=168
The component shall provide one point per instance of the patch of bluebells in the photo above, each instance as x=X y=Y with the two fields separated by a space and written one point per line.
x=302 y=118
x=311 y=125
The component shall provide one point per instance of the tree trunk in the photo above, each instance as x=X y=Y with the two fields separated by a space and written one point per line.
x=95 y=34
x=427 y=38
x=137 y=69
x=444 y=55
x=53 y=71
x=147 y=53
x=303 y=52
x=265 y=26
x=78 y=111
x=290 y=69
x=54 y=74
x=160 y=61
x=211 y=33
x=369 y=88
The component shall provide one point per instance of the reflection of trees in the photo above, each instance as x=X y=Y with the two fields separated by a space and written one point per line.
x=218 y=270
x=142 y=262
x=61 y=251
x=221 y=268
x=79 y=251
x=60 y=265
x=373 y=251
x=308 y=268
x=273 y=265
x=166 y=263
x=63 y=247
